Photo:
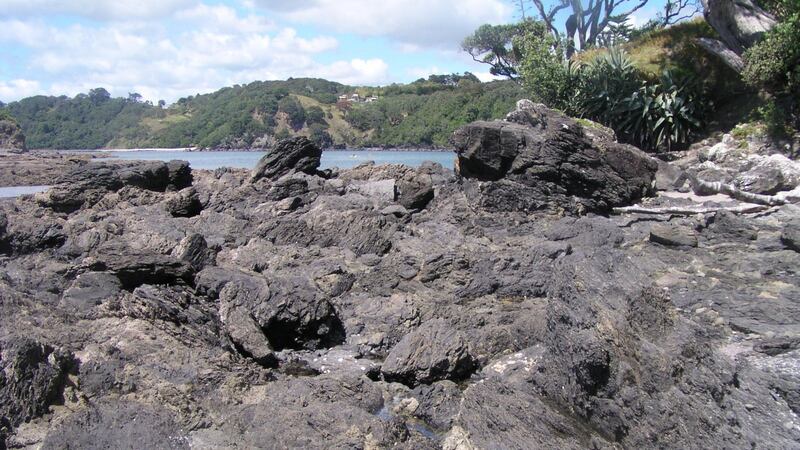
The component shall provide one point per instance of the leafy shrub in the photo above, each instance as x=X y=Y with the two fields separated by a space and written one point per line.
x=546 y=74
x=605 y=83
x=315 y=115
x=774 y=64
x=660 y=115
x=320 y=136
x=655 y=115
x=5 y=115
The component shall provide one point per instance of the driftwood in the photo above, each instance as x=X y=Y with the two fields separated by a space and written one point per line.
x=756 y=203
x=701 y=187
x=689 y=211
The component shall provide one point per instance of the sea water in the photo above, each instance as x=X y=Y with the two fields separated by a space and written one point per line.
x=342 y=159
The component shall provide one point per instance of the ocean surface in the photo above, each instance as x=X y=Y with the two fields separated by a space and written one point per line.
x=342 y=159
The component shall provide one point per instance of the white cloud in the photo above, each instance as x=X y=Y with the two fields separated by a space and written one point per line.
x=159 y=65
x=486 y=76
x=355 y=72
x=16 y=89
x=95 y=9
x=424 y=72
x=224 y=19
x=416 y=22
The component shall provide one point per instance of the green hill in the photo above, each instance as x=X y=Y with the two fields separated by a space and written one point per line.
x=420 y=114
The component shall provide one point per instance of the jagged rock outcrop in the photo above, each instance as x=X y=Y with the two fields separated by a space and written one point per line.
x=11 y=137
x=294 y=154
x=88 y=183
x=539 y=159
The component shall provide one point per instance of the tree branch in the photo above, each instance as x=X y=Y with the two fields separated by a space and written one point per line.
x=729 y=57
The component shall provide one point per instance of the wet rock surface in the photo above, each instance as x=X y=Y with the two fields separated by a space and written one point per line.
x=377 y=318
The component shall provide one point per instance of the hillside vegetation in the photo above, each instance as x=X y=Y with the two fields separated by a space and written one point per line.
x=421 y=114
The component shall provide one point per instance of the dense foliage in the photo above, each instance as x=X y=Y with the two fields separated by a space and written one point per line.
x=546 y=72
x=494 y=45
x=654 y=113
x=419 y=114
x=5 y=115
x=774 y=64
x=83 y=122
x=413 y=120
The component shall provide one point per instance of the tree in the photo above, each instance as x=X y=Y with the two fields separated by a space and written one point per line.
x=315 y=115
x=294 y=111
x=162 y=104
x=545 y=71
x=319 y=136
x=494 y=45
x=678 y=10
x=99 y=95
x=619 y=31
x=586 y=21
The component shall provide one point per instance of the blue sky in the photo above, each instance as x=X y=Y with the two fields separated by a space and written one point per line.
x=166 y=49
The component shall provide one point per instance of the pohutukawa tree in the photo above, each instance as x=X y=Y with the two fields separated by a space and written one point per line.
x=494 y=45
x=586 y=20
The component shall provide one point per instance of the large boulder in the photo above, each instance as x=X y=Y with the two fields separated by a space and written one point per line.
x=540 y=159
x=134 y=267
x=295 y=154
x=433 y=352
x=11 y=137
x=260 y=315
x=88 y=183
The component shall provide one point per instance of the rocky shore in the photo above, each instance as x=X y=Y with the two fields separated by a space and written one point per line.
x=503 y=305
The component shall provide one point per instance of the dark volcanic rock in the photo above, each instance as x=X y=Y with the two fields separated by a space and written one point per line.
x=673 y=235
x=194 y=250
x=287 y=187
x=790 y=237
x=261 y=315
x=433 y=352
x=91 y=289
x=134 y=267
x=88 y=183
x=118 y=424
x=414 y=194
x=298 y=154
x=311 y=311
x=32 y=377
x=541 y=159
x=185 y=203
x=26 y=236
x=726 y=226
